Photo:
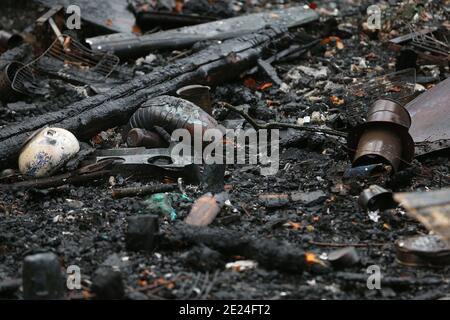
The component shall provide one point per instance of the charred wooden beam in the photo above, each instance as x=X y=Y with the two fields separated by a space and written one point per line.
x=86 y=118
x=126 y=45
x=271 y=254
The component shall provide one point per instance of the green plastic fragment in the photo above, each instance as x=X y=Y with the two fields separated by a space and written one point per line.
x=162 y=204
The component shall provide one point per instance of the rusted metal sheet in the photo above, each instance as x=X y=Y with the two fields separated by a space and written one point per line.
x=432 y=209
x=430 y=114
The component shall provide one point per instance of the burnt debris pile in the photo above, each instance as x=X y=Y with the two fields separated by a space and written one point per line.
x=224 y=150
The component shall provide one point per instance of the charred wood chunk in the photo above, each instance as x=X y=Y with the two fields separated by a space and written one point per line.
x=203 y=258
x=42 y=277
x=107 y=284
x=141 y=232
x=268 y=253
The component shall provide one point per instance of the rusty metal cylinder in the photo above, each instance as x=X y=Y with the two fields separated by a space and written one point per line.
x=378 y=144
x=144 y=138
x=197 y=94
x=385 y=110
x=383 y=138
x=376 y=198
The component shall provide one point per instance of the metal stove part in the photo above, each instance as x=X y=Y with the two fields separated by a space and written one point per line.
x=376 y=198
x=152 y=162
x=423 y=251
x=161 y=157
x=172 y=113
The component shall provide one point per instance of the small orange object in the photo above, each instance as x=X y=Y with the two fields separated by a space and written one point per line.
x=311 y=258
x=338 y=42
x=97 y=140
x=294 y=225
x=265 y=86
x=336 y=100
x=136 y=29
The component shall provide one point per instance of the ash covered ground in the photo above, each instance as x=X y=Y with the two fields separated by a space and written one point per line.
x=84 y=226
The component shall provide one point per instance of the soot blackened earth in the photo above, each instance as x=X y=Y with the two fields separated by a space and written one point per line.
x=85 y=226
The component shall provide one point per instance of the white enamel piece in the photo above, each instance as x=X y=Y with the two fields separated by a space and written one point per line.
x=46 y=151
